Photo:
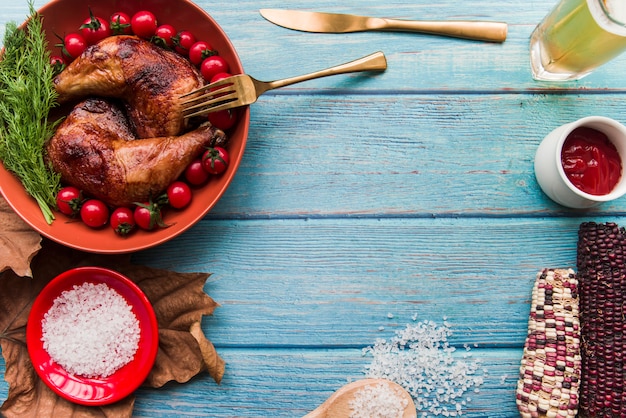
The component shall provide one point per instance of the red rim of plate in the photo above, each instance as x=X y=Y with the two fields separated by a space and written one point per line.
x=94 y=391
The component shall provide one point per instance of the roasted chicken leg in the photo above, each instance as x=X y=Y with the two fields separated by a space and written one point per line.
x=95 y=150
x=148 y=78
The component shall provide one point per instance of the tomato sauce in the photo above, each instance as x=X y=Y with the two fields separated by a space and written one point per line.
x=591 y=161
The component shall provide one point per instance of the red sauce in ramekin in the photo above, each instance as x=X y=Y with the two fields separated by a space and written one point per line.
x=591 y=161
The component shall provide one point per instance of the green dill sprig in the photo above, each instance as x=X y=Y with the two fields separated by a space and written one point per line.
x=26 y=98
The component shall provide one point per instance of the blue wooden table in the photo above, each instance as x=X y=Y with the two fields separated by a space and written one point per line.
x=365 y=202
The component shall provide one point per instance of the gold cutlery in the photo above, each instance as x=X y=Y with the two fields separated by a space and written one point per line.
x=241 y=90
x=344 y=23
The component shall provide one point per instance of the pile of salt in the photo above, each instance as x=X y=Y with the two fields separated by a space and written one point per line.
x=379 y=401
x=90 y=331
x=419 y=358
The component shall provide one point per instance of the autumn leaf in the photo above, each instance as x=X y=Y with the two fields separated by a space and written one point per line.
x=18 y=242
x=215 y=364
x=179 y=302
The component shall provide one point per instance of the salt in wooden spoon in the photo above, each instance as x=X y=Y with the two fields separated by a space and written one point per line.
x=338 y=404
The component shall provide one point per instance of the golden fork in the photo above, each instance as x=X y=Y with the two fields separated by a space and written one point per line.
x=241 y=90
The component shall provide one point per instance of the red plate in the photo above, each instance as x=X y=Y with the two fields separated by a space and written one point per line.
x=65 y=16
x=88 y=391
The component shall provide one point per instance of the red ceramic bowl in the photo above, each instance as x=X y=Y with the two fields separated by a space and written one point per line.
x=65 y=16
x=88 y=391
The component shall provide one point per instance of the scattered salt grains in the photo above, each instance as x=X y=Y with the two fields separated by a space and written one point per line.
x=90 y=331
x=378 y=401
x=420 y=359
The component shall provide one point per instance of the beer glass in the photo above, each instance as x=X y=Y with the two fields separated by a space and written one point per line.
x=577 y=37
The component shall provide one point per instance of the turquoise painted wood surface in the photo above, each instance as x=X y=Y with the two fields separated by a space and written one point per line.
x=364 y=201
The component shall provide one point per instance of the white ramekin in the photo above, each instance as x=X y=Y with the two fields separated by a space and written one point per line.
x=551 y=176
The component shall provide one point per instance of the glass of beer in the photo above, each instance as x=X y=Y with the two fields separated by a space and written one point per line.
x=576 y=37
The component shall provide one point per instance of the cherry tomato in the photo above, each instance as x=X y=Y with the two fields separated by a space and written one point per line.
x=69 y=200
x=144 y=24
x=122 y=221
x=73 y=45
x=199 y=51
x=94 y=29
x=223 y=119
x=120 y=24
x=58 y=63
x=183 y=41
x=148 y=216
x=213 y=65
x=164 y=36
x=195 y=173
x=94 y=213
x=215 y=160
x=179 y=194
x=220 y=76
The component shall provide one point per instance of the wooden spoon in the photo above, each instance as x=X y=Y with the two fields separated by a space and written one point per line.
x=338 y=405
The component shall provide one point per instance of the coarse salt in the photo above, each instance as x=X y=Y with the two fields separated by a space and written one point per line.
x=377 y=401
x=420 y=359
x=90 y=331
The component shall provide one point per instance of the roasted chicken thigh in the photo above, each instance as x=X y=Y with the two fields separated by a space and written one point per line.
x=96 y=150
x=148 y=78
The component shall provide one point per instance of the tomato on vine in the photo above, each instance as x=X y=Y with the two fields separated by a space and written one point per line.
x=94 y=29
x=215 y=160
x=120 y=24
x=122 y=221
x=183 y=41
x=57 y=63
x=164 y=36
x=72 y=45
x=69 y=200
x=144 y=24
x=94 y=213
x=199 y=51
x=148 y=215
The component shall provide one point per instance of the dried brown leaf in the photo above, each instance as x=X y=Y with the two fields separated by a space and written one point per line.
x=19 y=243
x=179 y=302
x=215 y=364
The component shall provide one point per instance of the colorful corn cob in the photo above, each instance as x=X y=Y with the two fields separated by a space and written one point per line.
x=551 y=364
x=602 y=274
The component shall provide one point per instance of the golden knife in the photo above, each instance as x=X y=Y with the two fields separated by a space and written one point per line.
x=343 y=23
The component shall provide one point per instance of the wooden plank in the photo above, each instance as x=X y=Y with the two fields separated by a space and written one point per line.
x=416 y=62
x=290 y=383
x=415 y=155
x=294 y=293
x=333 y=282
x=306 y=379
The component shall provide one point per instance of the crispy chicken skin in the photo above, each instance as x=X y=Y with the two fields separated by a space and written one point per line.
x=148 y=78
x=95 y=150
